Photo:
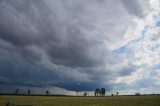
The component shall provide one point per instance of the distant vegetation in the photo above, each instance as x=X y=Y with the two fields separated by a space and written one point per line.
x=100 y=92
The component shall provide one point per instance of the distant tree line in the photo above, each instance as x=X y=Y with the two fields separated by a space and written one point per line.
x=28 y=92
x=98 y=92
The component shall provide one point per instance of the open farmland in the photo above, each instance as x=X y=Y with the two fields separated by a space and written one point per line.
x=80 y=101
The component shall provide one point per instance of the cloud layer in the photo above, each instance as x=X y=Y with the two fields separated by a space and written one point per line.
x=80 y=45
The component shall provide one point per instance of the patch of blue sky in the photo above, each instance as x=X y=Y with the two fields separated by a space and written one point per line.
x=123 y=49
x=120 y=50
x=157 y=19
x=140 y=39
x=153 y=48
x=158 y=24
x=154 y=69
x=127 y=50
x=145 y=82
x=142 y=35
x=144 y=30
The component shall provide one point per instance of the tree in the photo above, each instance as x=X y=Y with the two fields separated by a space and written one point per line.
x=29 y=91
x=47 y=92
x=117 y=93
x=85 y=94
x=112 y=94
x=97 y=92
x=103 y=91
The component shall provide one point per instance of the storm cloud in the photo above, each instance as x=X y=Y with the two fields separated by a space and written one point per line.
x=76 y=45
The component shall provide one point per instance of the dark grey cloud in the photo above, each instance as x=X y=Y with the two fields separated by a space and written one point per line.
x=62 y=43
x=136 y=7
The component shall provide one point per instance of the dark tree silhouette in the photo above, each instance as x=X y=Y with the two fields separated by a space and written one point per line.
x=117 y=93
x=100 y=92
x=85 y=94
x=103 y=92
x=47 y=92
x=29 y=91
x=97 y=92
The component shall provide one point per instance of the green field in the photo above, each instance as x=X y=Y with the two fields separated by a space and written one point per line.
x=81 y=101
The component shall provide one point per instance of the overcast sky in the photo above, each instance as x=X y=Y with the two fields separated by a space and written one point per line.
x=80 y=45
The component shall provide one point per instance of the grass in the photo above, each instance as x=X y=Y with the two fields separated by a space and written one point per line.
x=81 y=101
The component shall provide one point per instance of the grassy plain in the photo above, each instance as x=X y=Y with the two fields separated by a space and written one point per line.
x=81 y=101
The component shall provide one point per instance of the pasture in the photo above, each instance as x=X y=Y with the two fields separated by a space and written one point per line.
x=80 y=101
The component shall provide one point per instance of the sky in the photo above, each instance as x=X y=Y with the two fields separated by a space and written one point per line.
x=80 y=45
